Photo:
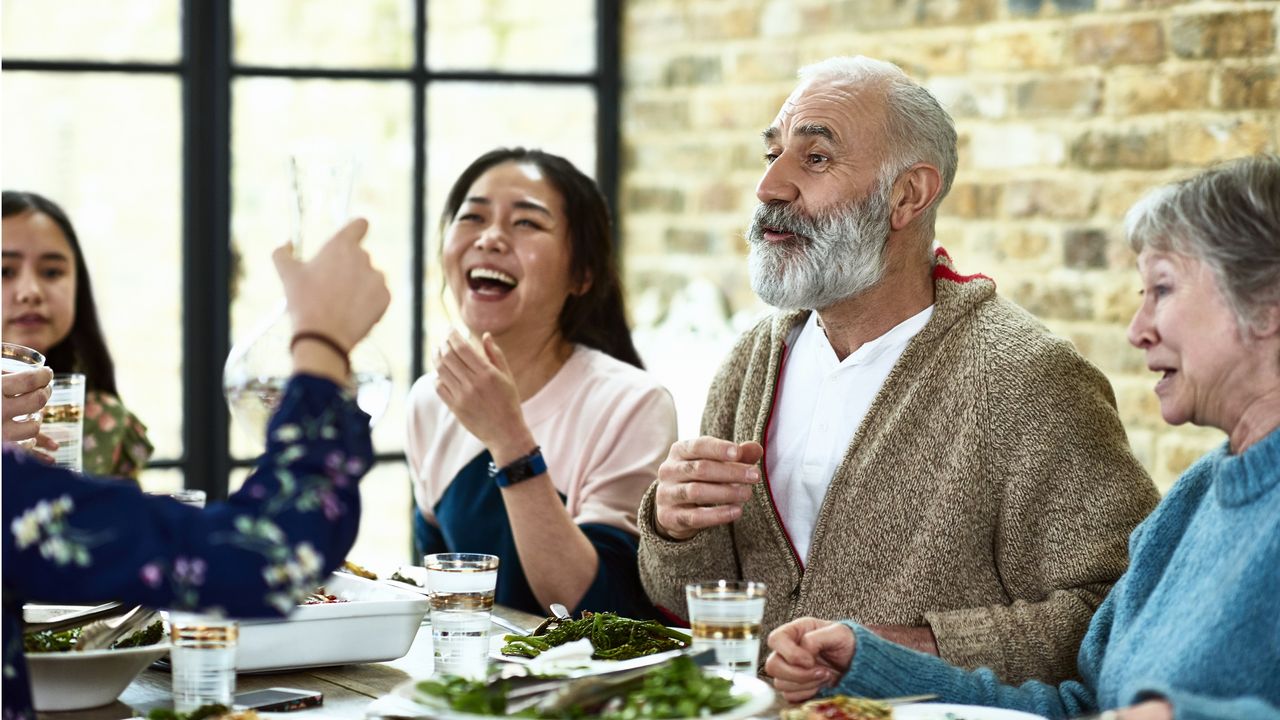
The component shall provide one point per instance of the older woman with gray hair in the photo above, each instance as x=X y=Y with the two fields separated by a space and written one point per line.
x=1190 y=630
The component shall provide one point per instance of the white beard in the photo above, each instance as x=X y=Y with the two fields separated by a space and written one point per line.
x=828 y=259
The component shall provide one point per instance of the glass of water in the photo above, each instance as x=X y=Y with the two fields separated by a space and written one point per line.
x=64 y=420
x=725 y=616
x=203 y=657
x=20 y=358
x=461 y=587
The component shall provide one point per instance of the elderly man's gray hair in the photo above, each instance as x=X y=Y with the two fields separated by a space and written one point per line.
x=1229 y=218
x=919 y=129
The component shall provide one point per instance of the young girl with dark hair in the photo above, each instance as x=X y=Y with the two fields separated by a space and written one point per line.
x=537 y=435
x=48 y=306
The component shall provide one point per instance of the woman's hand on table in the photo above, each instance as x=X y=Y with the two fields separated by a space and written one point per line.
x=480 y=389
x=807 y=655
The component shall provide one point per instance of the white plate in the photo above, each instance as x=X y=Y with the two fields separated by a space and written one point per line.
x=90 y=678
x=944 y=711
x=758 y=694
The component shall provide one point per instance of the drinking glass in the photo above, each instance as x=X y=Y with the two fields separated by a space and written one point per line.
x=20 y=358
x=461 y=588
x=260 y=364
x=725 y=616
x=203 y=659
x=64 y=420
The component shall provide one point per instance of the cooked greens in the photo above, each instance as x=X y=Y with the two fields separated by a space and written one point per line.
x=675 y=689
x=64 y=640
x=612 y=637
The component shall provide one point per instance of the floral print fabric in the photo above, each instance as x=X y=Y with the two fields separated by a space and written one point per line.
x=115 y=440
x=66 y=538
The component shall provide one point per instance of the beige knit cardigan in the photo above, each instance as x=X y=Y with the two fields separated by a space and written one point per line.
x=989 y=492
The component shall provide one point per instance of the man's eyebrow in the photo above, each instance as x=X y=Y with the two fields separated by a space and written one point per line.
x=815 y=130
x=478 y=199
x=806 y=130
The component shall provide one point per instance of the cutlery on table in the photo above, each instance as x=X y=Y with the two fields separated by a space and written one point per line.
x=551 y=696
x=103 y=634
x=78 y=618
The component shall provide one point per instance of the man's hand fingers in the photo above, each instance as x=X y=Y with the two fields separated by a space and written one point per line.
x=706 y=447
x=679 y=521
x=703 y=493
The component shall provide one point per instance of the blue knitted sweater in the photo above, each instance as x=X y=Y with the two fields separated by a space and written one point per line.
x=1195 y=620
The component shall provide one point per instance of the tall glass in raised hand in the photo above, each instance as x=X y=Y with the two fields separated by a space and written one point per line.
x=461 y=587
x=260 y=364
x=726 y=616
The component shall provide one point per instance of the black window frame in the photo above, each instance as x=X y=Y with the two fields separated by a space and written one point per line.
x=207 y=69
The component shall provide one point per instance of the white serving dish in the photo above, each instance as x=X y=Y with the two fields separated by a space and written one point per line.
x=78 y=680
x=378 y=623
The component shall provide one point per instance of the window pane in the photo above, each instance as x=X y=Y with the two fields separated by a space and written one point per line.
x=273 y=116
x=324 y=33
x=141 y=30
x=384 y=540
x=107 y=147
x=497 y=115
x=512 y=35
x=386 y=504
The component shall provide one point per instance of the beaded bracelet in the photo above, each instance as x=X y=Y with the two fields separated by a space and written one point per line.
x=323 y=340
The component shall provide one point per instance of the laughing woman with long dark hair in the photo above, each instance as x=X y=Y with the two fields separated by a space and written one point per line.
x=539 y=431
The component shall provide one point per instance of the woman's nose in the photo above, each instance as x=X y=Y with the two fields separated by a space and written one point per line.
x=27 y=288
x=491 y=239
x=1142 y=332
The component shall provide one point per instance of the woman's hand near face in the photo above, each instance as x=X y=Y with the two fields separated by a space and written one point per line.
x=808 y=655
x=480 y=389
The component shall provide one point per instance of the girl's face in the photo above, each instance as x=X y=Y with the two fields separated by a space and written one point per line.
x=39 y=282
x=506 y=253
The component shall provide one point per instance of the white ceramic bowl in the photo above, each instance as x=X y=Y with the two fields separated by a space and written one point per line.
x=78 y=680
x=378 y=623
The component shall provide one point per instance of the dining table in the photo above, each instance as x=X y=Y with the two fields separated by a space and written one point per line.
x=348 y=689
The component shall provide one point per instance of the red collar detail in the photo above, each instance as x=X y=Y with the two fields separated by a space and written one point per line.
x=942 y=269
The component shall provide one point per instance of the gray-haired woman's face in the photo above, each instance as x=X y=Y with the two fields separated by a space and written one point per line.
x=1209 y=372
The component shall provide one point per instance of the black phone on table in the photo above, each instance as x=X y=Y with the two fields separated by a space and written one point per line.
x=278 y=699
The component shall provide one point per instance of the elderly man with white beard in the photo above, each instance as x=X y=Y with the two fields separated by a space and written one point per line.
x=898 y=444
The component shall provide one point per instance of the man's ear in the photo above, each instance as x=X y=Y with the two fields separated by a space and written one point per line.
x=913 y=193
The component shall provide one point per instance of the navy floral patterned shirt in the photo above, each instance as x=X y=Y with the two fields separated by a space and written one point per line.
x=70 y=538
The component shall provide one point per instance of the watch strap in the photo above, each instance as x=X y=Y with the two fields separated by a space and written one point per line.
x=518 y=470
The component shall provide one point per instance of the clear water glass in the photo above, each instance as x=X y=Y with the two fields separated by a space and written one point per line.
x=64 y=420
x=726 y=616
x=203 y=658
x=461 y=587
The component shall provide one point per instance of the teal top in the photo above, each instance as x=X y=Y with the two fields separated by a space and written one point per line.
x=1195 y=619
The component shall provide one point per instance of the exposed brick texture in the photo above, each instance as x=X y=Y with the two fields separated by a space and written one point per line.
x=1067 y=112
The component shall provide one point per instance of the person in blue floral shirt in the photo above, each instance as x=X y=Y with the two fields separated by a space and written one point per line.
x=256 y=554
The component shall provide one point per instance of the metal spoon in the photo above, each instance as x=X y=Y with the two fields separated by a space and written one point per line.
x=560 y=612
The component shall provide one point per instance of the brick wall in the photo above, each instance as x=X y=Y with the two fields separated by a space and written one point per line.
x=1066 y=110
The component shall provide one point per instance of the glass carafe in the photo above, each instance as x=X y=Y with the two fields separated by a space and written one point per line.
x=261 y=363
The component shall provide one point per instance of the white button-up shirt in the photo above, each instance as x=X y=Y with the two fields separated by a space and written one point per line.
x=821 y=401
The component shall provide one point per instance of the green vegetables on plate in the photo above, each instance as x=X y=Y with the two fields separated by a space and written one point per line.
x=676 y=689
x=612 y=637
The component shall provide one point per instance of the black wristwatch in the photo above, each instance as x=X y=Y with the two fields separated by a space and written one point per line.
x=518 y=470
